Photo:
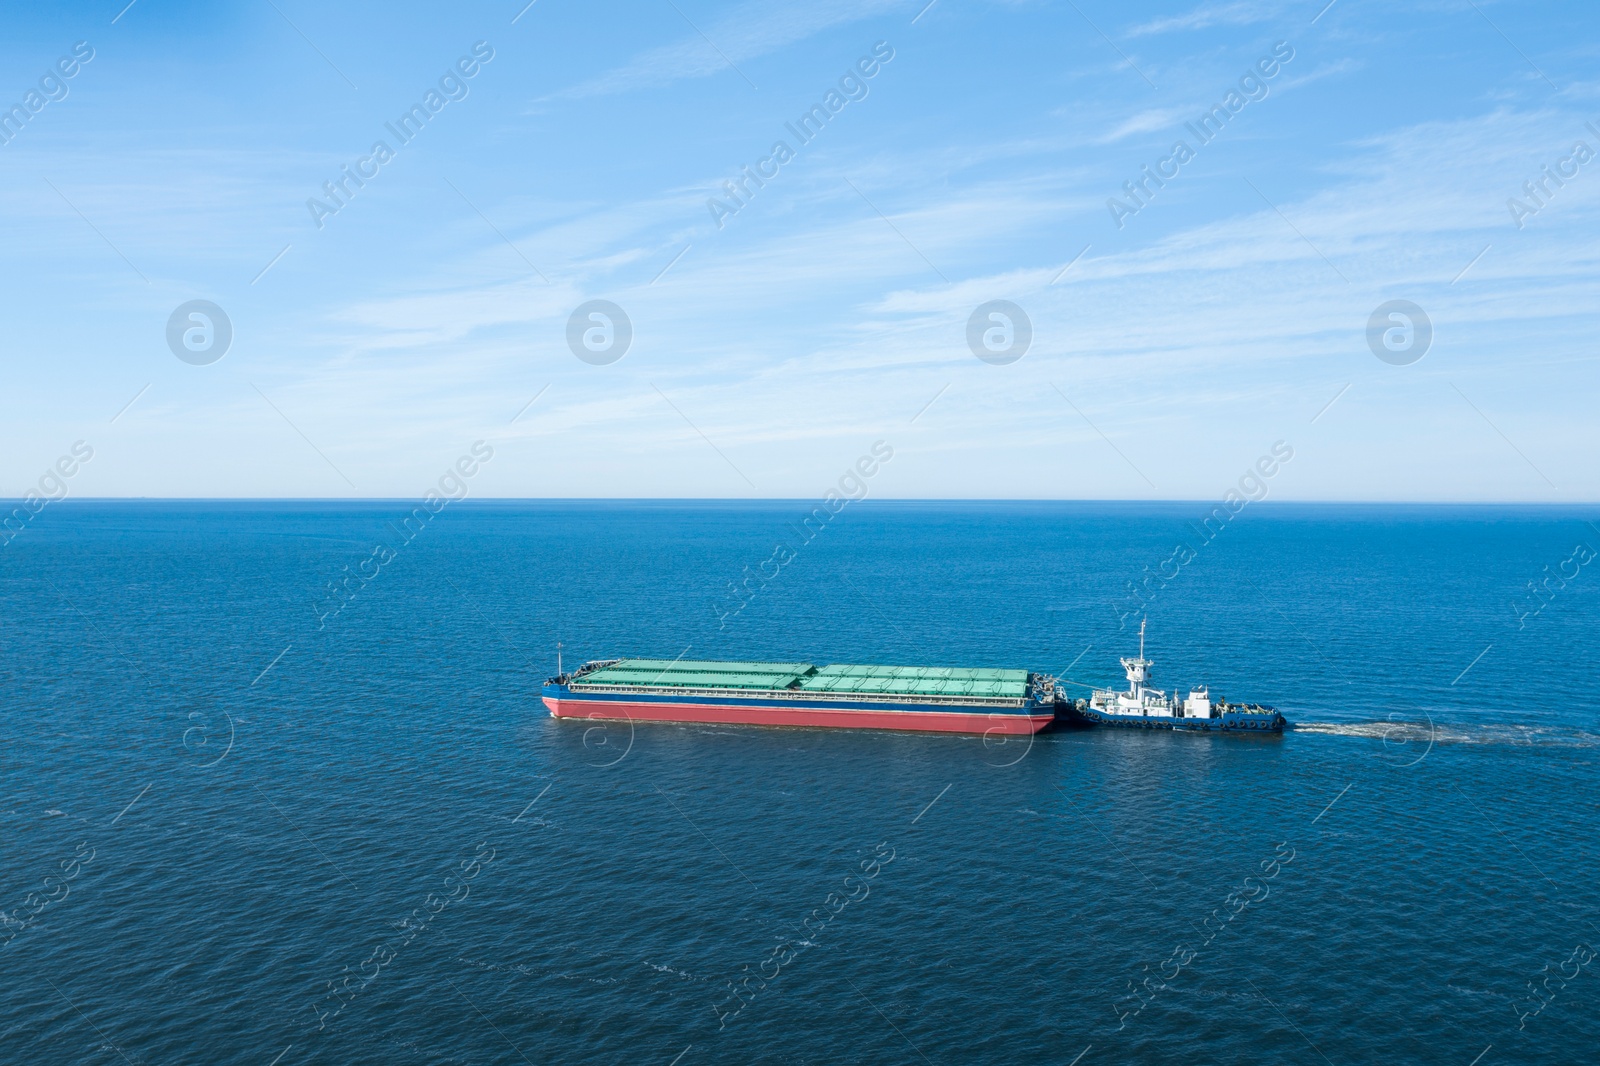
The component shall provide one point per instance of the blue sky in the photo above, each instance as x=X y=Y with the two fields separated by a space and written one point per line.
x=770 y=352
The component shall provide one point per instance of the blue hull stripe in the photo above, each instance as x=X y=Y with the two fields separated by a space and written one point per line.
x=1242 y=723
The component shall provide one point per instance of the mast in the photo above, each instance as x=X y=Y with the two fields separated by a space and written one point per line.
x=558 y=657
x=1138 y=669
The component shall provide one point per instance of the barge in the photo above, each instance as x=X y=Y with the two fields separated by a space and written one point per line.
x=921 y=698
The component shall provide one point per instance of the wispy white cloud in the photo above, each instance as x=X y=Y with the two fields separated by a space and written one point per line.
x=747 y=32
x=1235 y=13
x=1156 y=118
x=1186 y=351
x=1211 y=326
x=1317 y=73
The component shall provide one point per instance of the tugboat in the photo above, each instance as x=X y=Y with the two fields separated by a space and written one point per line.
x=1150 y=708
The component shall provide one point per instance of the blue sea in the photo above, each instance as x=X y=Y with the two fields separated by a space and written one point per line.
x=240 y=827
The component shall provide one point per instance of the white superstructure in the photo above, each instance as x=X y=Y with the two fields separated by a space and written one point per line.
x=1142 y=701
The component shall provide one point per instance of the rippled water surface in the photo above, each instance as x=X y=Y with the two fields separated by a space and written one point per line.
x=237 y=828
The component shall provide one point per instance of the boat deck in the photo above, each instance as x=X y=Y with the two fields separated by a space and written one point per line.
x=840 y=679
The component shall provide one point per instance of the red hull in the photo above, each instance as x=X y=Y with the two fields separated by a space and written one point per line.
x=920 y=721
